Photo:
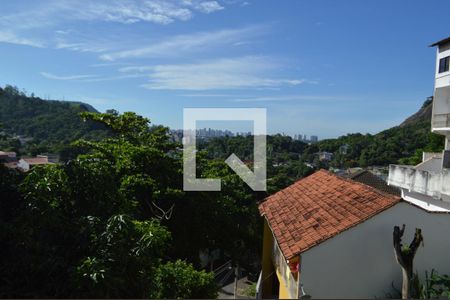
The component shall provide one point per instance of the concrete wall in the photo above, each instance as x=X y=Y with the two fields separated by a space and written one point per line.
x=360 y=262
x=428 y=155
x=441 y=105
x=432 y=184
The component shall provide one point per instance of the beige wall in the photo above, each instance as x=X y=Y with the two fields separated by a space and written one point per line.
x=360 y=262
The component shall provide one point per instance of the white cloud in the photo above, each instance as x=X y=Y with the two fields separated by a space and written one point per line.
x=209 y=6
x=292 y=98
x=132 y=11
x=66 y=77
x=111 y=78
x=108 y=64
x=11 y=38
x=209 y=95
x=48 y=17
x=80 y=47
x=274 y=98
x=181 y=44
x=127 y=12
x=121 y=11
x=228 y=73
x=91 y=77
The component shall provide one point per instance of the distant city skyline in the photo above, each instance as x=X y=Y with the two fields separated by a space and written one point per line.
x=216 y=132
x=323 y=67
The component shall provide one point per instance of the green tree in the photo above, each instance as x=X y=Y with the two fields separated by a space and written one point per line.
x=93 y=227
x=179 y=280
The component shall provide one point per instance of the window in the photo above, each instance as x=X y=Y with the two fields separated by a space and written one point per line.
x=444 y=64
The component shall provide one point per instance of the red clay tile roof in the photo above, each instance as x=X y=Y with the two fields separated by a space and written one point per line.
x=319 y=207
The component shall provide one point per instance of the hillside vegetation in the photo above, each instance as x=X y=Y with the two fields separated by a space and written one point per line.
x=286 y=157
x=51 y=126
x=399 y=144
x=47 y=126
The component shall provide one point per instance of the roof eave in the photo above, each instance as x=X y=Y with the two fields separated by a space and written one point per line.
x=443 y=41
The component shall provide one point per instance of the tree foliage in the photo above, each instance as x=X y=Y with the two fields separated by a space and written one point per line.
x=400 y=144
x=93 y=227
x=48 y=126
x=285 y=156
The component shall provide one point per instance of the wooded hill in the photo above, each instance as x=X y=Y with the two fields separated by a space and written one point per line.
x=400 y=144
x=53 y=125
x=48 y=126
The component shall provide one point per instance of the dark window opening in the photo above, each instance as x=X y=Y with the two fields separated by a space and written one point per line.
x=444 y=64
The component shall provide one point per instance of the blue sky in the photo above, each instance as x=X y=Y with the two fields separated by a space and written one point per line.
x=319 y=67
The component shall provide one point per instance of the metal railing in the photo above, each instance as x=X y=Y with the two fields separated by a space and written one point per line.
x=259 y=287
x=223 y=273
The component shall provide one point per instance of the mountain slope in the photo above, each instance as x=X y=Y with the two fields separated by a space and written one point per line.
x=52 y=125
x=49 y=125
x=423 y=115
x=396 y=144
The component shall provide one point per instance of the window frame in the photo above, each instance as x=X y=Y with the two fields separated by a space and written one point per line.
x=444 y=64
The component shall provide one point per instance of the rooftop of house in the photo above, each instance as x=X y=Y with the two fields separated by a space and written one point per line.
x=441 y=42
x=368 y=178
x=36 y=160
x=6 y=153
x=318 y=207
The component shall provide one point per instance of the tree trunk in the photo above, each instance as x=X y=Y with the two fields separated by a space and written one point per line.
x=405 y=257
x=406 y=284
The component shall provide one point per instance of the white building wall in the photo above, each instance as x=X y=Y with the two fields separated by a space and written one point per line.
x=441 y=103
x=360 y=262
x=442 y=79
x=441 y=106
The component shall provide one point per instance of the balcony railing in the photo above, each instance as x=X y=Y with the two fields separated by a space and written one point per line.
x=420 y=181
x=441 y=120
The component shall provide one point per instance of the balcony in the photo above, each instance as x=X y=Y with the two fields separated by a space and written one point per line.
x=434 y=184
x=441 y=109
x=441 y=121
